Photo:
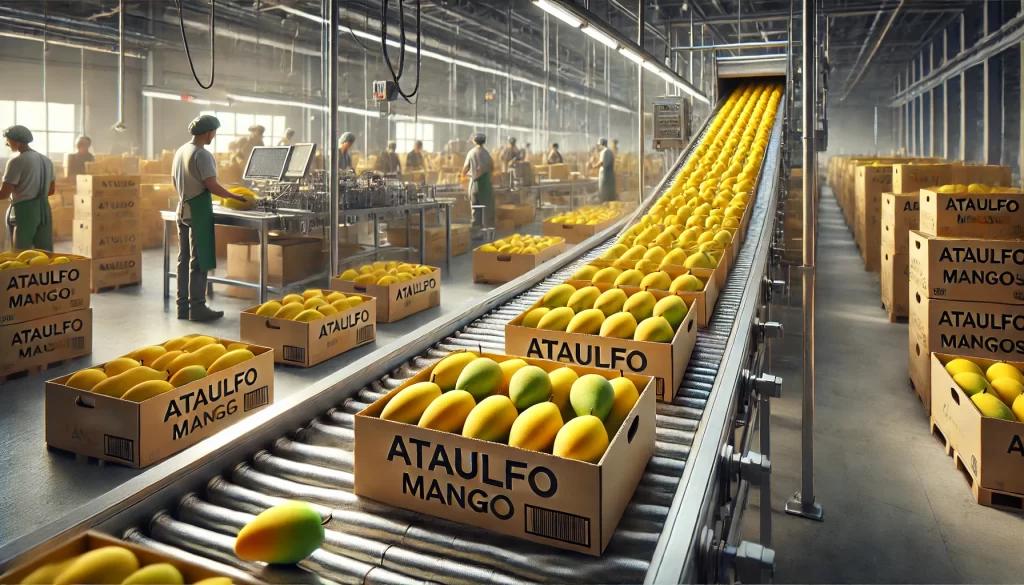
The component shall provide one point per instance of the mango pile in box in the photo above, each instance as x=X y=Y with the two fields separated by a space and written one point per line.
x=112 y=564
x=385 y=273
x=522 y=405
x=646 y=273
x=589 y=215
x=521 y=244
x=612 y=313
x=311 y=305
x=152 y=370
x=12 y=260
x=998 y=391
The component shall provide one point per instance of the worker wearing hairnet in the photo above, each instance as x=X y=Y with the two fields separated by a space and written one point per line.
x=511 y=155
x=344 y=146
x=387 y=161
x=606 y=174
x=28 y=181
x=289 y=135
x=414 y=160
x=555 y=157
x=479 y=167
x=74 y=162
x=194 y=173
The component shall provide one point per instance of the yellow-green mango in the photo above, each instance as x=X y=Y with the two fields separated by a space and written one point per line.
x=656 y=281
x=587 y=321
x=992 y=407
x=558 y=296
x=606 y=275
x=971 y=383
x=187 y=375
x=626 y=396
x=673 y=309
x=582 y=438
x=592 y=394
x=108 y=564
x=959 y=365
x=408 y=405
x=481 y=378
x=446 y=372
x=155 y=574
x=556 y=319
x=491 y=419
x=448 y=412
x=656 y=329
x=619 y=325
x=529 y=385
x=535 y=429
x=686 y=283
x=640 y=305
x=284 y=534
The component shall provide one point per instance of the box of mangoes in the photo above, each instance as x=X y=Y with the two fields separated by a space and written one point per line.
x=972 y=211
x=310 y=328
x=97 y=558
x=978 y=405
x=400 y=288
x=159 y=399
x=647 y=333
x=529 y=448
x=576 y=226
x=36 y=284
x=509 y=258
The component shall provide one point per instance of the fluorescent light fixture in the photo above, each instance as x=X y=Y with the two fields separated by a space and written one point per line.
x=601 y=37
x=559 y=13
x=653 y=68
x=163 y=94
x=629 y=54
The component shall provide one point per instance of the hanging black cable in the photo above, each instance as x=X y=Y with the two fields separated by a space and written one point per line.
x=188 y=53
x=396 y=76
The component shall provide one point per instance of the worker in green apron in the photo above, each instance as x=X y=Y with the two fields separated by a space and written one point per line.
x=28 y=181
x=194 y=172
x=479 y=166
x=606 y=172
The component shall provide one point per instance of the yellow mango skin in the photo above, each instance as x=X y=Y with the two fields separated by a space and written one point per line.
x=448 y=412
x=209 y=353
x=446 y=373
x=231 y=358
x=1006 y=389
x=292 y=298
x=185 y=360
x=86 y=379
x=626 y=396
x=155 y=574
x=583 y=439
x=284 y=534
x=187 y=375
x=147 y=390
x=558 y=296
x=991 y=406
x=149 y=354
x=289 y=311
x=109 y=564
x=611 y=301
x=268 y=309
x=532 y=319
x=508 y=369
x=309 y=315
x=119 y=366
x=620 y=325
x=587 y=321
x=584 y=298
x=556 y=319
x=640 y=304
x=960 y=365
x=176 y=344
x=535 y=429
x=656 y=329
x=197 y=342
x=214 y=581
x=1018 y=408
x=314 y=303
x=971 y=383
x=47 y=573
x=409 y=405
x=528 y=387
x=1001 y=370
x=592 y=395
x=165 y=360
x=117 y=385
x=562 y=380
x=491 y=419
x=606 y=275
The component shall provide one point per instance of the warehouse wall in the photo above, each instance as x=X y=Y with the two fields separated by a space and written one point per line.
x=851 y=130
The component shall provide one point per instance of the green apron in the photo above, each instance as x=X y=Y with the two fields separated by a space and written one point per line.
x=485 y=197
x=201 y=208
x=33 y=227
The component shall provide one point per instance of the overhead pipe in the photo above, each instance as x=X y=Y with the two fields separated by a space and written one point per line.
x=878 y=43
x=732 y=46
x=77 y=25
x=68 y=43
x=834 y=13
x=120 y=125
x=331 y=151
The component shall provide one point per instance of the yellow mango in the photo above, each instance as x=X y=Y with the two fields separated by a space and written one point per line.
x=410 y=403
x=120 y=365
x=187 y=375
x=147 y=355
x=146 y=390
x=197 y=342
x=155 y=574
x=625 y=398
x=447 y=371
x=116 y=386
x=582 y=438
x=491 y=419
x=108 y=564
x=289 y=311
x=230 y=359
x=284 y=534
x=448 y=412
x=86 y=379
x=536 y=428
x=161 y=363
x=269 y=309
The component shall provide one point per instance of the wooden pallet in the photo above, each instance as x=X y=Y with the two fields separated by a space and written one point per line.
x=1008 y=501
x=29 y=371
x=114 y=287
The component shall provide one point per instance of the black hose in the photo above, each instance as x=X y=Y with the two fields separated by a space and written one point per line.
x=188 y=52
x=396 y=76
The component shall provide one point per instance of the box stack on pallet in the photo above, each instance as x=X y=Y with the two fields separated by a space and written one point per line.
x=900 y=214
x=108 y=228
x=155 y=197
x=870 y=181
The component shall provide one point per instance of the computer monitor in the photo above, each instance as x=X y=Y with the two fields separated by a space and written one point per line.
x=302 y=158
x=267 y=163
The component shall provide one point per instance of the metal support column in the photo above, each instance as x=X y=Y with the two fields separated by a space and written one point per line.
x=945 y=98
x=899 y=117
x=640 y=106
x=931 y=103
x=803 y=502
x=332 y=129
x=921 y=117
x=963 y=94
x=992 y=128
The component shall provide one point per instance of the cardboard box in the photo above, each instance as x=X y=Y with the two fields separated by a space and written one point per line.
x=664 y=361
x=192 y=572
x=45 y=341
x=900 y=213
x=907 y=178
x=982 y=330
x=138 y=434
x=105 y=239
x=435 y=241
x=518 y=214
x=558 y=172
x=563 y=503
x=109 y=208
x=398 y=301
x=229 y=234
x=991 y=175
x=895 y=284
x=35 y=292
x=869 y=184
x=308 y=344
x=496 y=268
x=116 y=271
x=63 y=221
x=972 y=215
x=962 y=269
x=107 y=185
x=991 y=448
x=576 y=233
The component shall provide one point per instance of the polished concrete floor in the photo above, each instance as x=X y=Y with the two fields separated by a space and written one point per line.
x=895 y=508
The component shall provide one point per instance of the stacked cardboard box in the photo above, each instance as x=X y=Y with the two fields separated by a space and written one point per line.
x=900 y=214
x=62 y=210
x=870 y=182
x=289 y=259
x=435 y=241
x=155 y=198
x=966 y=284
x=108 y=228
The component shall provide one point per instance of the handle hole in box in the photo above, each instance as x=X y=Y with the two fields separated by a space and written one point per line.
x=632 y=430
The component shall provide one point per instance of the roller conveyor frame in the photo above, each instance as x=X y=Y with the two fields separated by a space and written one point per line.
x=675 y=520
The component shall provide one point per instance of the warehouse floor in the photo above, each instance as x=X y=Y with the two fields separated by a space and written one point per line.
x=896 y=509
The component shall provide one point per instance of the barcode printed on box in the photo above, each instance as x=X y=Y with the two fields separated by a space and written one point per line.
x=557 y=525
x=78 y=343
x=435 y=297
x=119 y=447
x=292 y=353
x=255 y=398
x=364 y=334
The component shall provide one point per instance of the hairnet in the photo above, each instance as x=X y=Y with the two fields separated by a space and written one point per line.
x=18 y=133
x=511 y=140
x=289 y=133
x=479 y=139
x=203 y=124
x=347 y=137
x=554 y=145
x=257 y=128
x=85 y=138
x=603 y=142
x=392 y=145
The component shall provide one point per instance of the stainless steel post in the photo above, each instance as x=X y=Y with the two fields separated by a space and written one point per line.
x=945 y=98
x=640 y=106
x=765 y=505
x=332 y=130
x=803 y=503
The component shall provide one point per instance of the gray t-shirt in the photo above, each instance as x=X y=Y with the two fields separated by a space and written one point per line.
x=479 y=162
x=192 y=165
x=29 y=172
x=607 y=160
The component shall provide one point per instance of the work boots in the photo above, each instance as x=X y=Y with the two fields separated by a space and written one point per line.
x=203 y=313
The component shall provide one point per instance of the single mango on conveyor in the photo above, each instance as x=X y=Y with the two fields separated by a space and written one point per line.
x=284 y=534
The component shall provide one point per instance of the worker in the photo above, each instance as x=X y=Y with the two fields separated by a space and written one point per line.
x=414 y=160
x=554 y=157
x=256 y=135
x=28 y=181
x=606 y=174
x=479 y=167
x=510 y=156
x=74 y=162
x=615 y=146
x=344 y=146
x=194 y=174
x=387 y=161
x=289 y=134
x=524 y=153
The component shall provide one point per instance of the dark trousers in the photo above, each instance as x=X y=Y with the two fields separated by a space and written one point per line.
x=191 y=280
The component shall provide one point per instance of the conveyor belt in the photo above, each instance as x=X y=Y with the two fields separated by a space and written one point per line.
x=369 y=542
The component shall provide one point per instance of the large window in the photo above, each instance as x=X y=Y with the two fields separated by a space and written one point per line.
x=407 y=133
x=52 y=124
x=234 y=126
